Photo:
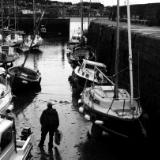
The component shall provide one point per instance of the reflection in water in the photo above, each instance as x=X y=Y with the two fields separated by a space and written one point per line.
x=63 y=53
x=51 y=155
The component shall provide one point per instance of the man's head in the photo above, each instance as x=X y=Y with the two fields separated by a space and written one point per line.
x=49 y=105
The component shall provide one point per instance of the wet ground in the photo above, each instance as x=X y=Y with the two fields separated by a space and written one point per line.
x=55 y=87
x=55 y=70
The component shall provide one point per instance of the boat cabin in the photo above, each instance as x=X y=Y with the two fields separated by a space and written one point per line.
x=92 y=71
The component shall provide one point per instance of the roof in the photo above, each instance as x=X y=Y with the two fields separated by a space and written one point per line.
x=98 y=64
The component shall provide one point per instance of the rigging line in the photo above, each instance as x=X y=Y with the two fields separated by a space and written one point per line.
x=33 y=39
x=142 y=128
x=111 y=105
x=105 y=76
x=120 y=71
x=92 y=105
x=138 y=76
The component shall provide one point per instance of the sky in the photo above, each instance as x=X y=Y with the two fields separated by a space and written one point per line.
x=113 y=2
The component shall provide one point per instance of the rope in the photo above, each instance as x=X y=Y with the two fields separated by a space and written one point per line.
x=110 y=105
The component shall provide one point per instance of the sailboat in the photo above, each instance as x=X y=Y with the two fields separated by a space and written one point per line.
x=35 y=40
x=7 y=53
x=15 y=38
x=111 y=108
x=80 y=50
x=24 y=78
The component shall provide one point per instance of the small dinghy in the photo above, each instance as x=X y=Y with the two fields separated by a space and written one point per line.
x=23 y=77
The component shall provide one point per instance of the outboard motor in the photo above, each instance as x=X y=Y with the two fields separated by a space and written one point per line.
x=25 y=133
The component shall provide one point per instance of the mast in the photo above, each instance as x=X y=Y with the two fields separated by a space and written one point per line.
x=89 y=13
x=81 y=17
x=2 y=20
x=34 y=18
x=130 y=52
x=15 y=14
x=9 y=7
x=117 y=52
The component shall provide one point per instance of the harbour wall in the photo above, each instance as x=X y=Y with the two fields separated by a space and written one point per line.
x=146 y=61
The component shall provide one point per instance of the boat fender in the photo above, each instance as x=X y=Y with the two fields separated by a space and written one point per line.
x=81 y=109
x=39 y=80
x=10 y=107
x=87 y=117
x=99 y=122
x=8 y=76
x=79 y=102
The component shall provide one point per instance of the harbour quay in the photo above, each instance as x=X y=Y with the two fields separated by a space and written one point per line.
x=146 y=58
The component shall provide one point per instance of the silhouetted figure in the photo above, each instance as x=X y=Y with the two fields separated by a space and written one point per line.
x=49 y=123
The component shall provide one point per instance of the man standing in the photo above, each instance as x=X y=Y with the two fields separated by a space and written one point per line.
x=49 y=123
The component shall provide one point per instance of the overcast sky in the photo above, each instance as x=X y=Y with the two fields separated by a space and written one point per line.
x=113 y=2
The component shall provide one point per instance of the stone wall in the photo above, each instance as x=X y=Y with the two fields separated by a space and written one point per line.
x=146 y=62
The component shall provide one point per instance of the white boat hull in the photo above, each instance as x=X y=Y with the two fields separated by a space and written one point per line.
x=117 y=116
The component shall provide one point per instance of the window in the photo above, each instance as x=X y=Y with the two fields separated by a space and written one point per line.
x=89 y=66
x=6 y=139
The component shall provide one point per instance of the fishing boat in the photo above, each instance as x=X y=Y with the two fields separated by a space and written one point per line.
x=91 y=71
x=111 y=108
x=79 y=53
x=12 y=148
x=23 y=77
x=5 y=92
